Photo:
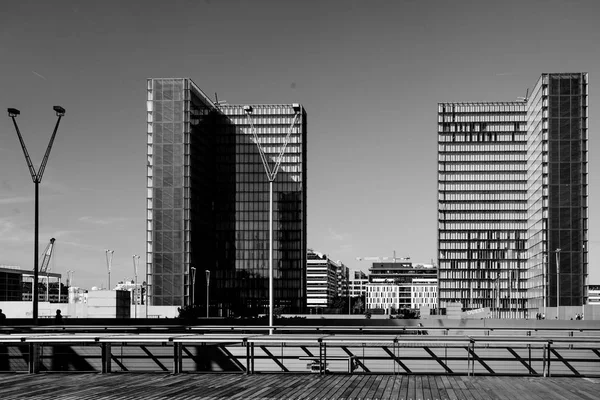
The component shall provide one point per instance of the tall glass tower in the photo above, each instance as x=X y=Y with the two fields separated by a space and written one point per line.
x=208 y=202
x=512 y=199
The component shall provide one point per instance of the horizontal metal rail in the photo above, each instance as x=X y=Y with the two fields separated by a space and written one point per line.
x=261 y=353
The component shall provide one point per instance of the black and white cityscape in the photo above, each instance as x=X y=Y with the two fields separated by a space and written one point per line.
x=387 y=190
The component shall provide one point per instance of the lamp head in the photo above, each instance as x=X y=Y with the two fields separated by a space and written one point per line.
x=13 y=112
x=59 y=110
x=248 y=109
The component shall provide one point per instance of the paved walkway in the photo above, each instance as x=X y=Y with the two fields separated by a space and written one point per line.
x=81 y=386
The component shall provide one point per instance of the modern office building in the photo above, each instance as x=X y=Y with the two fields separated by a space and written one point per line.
x=512 y=199
x=208 y=201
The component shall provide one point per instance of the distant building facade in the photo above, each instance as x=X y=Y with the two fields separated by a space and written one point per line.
x=391 y=284
x=423 y=293
x=512 y=189
x=321 y=280
x=16 y=284
x=208 y=201
x=593 y=295
x=358 y=284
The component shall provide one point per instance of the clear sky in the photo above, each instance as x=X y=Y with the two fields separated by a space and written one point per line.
x=369 y=73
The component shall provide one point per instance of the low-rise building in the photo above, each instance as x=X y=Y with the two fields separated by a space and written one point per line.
x=392 y=285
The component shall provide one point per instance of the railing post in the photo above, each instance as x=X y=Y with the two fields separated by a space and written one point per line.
x=177 y=358
x=247 y=356
x=320 y=357
x=252 y=357
x=106 y=358
x=34 y=358
x=549 y=358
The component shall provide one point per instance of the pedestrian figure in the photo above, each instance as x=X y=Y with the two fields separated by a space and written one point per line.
x=2 y=317
x=543 y=315
x=58 y=319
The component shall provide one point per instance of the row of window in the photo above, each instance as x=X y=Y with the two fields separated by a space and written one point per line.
x=513 y=206
x=481 y=157
x=481 y=107
x=467 y=226
x=463 y=187
x=443 y=166
x=482 y=216
x=507 y=117
x=481 y=196
x=487 y=147
x=515 y=128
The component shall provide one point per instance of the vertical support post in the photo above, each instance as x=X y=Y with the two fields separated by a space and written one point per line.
x=320 y=357
x=177 y=358
x=34 y=358
x=270 y=257
x=252 y=357
x=207 y=272
x=549 y=357
x=106 y=358
x=324 y=358
x=529 y=348
x=35 y=252
x=557 y=251
x=247 y=356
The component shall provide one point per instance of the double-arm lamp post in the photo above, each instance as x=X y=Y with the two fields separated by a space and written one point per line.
x=37 y=179
x=136 y=261
x=109 y=258
x=271 y=175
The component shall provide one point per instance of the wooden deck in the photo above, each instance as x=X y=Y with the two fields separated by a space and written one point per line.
x=83 y=386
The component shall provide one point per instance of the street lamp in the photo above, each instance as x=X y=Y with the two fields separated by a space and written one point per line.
x=271 y=175
x=557 y=253
x=37 y=179
x=109 y=257
x=207 y=290
x=136 y=261
x=193 y=273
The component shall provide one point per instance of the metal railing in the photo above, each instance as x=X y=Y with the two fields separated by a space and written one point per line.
x=416 y=352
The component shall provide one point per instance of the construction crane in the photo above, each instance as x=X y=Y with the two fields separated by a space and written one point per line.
x=382 y=259
x=44 y=265
x=47 y=255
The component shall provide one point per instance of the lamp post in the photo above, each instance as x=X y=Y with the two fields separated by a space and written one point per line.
x=37 y=179
x=193 y=274
x=557 y=253
x=136 y=260
x=271 y=175
x=109 y=257
x=207 y=290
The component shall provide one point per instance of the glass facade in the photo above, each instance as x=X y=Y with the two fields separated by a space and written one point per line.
x=557 y=190
x=512 y=188
x=208 y=202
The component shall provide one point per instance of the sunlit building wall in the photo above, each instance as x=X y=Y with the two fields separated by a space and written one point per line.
x=512 y=188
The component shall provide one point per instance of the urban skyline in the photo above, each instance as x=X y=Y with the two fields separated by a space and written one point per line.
x=371 y=154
